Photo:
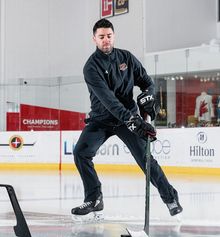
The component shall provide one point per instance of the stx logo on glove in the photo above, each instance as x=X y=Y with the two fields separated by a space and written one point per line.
x=145 y=99
x=147 y=105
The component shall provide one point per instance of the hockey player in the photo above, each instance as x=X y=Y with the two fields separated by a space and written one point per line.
x=110 y=74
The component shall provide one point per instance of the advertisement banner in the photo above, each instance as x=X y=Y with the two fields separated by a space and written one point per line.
x=37 y=118
x=187 y=147
x=29 y=147
x=113 y=151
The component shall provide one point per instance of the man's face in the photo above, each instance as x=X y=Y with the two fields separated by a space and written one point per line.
x=104 y=39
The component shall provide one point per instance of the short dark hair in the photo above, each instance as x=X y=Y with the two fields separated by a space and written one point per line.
x=103 y=23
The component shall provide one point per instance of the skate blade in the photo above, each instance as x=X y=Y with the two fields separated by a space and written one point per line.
x=89 y=218
x=141 y=233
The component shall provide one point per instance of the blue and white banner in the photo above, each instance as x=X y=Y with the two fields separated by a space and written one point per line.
x=187 y=147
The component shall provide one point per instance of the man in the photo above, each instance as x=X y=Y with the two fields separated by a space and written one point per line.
x=111 y=74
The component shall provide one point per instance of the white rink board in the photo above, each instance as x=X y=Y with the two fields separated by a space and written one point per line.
x=113 y=151
x=36 y=147
x=189 y=147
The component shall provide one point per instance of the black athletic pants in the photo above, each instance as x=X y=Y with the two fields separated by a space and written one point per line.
x=92 y=137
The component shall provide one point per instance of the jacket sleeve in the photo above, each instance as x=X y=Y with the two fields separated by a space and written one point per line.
x=101 y=90
x=141 y=78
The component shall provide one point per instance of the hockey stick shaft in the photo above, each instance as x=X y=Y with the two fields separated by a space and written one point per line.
x=147 y=176
x=145 y=231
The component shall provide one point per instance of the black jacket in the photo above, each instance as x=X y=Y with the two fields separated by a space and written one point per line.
x=110 y=79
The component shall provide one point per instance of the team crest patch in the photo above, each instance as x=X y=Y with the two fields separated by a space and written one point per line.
x=123 y=66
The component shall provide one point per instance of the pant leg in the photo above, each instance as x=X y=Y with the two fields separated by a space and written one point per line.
x=91 y=138
x=137 y=147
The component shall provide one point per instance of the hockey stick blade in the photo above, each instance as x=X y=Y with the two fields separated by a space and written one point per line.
x=133 y=233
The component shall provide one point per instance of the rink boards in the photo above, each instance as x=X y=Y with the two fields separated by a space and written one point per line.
x=186 y=150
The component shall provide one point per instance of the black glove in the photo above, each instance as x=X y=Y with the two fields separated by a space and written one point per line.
x=143 y=129
x=147 y=105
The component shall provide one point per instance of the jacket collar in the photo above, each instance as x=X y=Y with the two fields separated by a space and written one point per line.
x=105 y=56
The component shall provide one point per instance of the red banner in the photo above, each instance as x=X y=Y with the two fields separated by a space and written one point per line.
x=38 y=118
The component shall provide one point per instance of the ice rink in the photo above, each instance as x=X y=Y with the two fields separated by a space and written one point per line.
x=46 y=199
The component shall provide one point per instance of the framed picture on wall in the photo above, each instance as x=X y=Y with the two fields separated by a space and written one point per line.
x=120 y=6
x=111 y=8
x=106 y=8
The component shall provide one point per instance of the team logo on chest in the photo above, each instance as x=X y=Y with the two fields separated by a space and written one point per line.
x=123 y=66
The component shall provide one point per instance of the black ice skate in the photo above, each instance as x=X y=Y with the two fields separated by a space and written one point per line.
x=174 y=207
x=89 y=211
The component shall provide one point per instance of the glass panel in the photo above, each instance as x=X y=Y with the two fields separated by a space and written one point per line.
x=38 y=104
x=188 y=86
x=166 y=88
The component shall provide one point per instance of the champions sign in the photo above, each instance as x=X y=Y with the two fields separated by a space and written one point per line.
x=37 y=118
x=113 y=7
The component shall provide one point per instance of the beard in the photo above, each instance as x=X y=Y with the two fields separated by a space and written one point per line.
x=107 y=49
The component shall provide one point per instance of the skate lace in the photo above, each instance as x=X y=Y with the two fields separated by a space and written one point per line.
x=85 y=204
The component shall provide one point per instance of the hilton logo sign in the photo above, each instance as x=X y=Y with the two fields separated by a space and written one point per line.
x=201 y=150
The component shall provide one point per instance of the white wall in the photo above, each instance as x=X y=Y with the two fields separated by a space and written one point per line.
x=202 y=58
x=42 y=38
x=49 y=38
x=173 y=24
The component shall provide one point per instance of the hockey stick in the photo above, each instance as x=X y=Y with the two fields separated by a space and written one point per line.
x=145 y=231
x=147 y=176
